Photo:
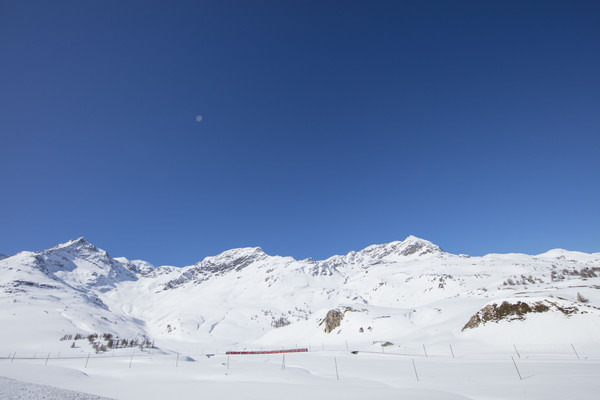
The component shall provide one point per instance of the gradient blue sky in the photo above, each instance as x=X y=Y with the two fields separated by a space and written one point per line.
x=327 y=126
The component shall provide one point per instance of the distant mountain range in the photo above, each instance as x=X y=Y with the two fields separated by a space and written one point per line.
x=403 y=291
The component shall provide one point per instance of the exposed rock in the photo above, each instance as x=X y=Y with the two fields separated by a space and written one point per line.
x=332 y=320
x=515 y=311
x=280 y=322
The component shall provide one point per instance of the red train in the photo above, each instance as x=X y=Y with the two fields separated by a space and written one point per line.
x=303 y=350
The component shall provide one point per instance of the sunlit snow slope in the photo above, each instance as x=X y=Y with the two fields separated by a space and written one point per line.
x=402 y=292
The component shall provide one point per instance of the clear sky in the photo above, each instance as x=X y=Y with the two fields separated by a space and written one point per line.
x=326 y=126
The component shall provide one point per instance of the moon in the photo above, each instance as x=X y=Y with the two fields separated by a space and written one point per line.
x=198 y=118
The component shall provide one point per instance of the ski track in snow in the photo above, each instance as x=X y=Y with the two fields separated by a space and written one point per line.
x=213 y=326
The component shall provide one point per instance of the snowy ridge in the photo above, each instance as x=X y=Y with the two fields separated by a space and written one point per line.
x=410 y=246
x=83 y=266
x=212 y=266
x=401 y=291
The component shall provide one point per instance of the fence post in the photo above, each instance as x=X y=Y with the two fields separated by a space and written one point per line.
x=513 y=360
x=47 y=358
x=131 y=359
x=415 y=368
x=425 y=351
x=88 y=359
x=451 y=351
x=575 y=351
x=336 y=369
x=517 y=351
x=283 y=362
x=13 y=357
x=177 y=362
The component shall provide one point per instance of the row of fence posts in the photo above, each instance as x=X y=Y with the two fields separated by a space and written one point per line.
x=310 y=349
x=451 y=350
x=12 y=355
x=12 y=358
x=337 y=375
x=426 y=356
x=87 y=359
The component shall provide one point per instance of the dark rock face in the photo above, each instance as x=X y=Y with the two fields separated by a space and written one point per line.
x=332 y=320
x=514 y=311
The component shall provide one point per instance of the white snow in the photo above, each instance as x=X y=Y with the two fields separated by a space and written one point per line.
x=476 y=372
x=14 y=389
x=409 y=293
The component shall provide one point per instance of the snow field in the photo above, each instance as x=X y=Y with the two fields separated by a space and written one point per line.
x=13 y=389
x=476 y=372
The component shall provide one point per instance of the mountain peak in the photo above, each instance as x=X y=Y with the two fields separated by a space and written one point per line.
x=238 y=258
x=242 y=251
x=412 y=245
x=79 y=242
x=82 y=265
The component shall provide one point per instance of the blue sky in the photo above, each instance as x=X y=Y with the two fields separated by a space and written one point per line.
x=326 y=126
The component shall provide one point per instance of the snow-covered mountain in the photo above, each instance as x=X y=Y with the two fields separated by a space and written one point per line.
x=402 y=291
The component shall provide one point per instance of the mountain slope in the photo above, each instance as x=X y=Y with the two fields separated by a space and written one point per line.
x=407 y=290
x=49 y=293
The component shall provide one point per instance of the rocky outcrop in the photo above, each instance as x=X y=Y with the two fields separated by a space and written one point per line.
x=332 y=320
x=515 y=311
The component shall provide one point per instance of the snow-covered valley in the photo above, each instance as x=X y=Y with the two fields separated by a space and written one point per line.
x=405 y=307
